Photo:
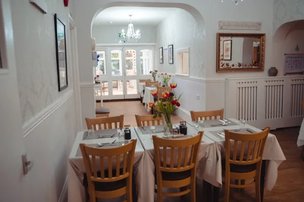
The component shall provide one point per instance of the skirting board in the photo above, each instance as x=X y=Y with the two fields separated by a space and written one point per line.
x=64 y=192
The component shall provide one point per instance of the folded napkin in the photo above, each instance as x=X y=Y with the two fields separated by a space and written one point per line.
x=108 y=133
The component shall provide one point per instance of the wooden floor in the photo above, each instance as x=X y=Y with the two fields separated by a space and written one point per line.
x=290 y=183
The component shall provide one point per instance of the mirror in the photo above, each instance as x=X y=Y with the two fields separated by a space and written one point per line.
x=240 y=52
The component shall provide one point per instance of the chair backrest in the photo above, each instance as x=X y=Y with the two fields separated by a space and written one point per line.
x=152 y=83
x=100 y=123
x=148 y=120
x=244 y=148
x=161 y=90
x=207 y=115
x=144 y=81
x=178 y=157
x=107 y=165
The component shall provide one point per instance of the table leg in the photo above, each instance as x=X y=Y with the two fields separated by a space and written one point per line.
x=210 y=192
x=263 y=173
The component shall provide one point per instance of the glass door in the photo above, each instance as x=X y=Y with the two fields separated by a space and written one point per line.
x=120 y=68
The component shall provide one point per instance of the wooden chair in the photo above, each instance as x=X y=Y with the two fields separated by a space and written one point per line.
x=100 y=123
x=109 y=171
x=175 y=164
x=243 y=160
x=151 y=83
x=144 y=81
x=207 y=115
x=148 y=120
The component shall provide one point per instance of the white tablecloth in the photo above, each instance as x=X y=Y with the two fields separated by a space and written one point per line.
x=209 y=161
x=300 y=141
x=209 y=158
x=148 y=96
x=76 y=168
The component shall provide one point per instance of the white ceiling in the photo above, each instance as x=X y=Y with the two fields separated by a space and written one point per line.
x=140 y=15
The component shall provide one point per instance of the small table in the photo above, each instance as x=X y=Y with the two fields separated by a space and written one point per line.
x=148 y=97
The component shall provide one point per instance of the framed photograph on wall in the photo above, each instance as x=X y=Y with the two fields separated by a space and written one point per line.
x=227 y=50
x=161 y=55
x=170 y=54
x=61 y=57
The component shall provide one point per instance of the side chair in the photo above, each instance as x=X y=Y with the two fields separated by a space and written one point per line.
x=109 y=171
x=175 y=165
x=100 y=123
x=243 y=160
x=207 y=115
x=148 y=120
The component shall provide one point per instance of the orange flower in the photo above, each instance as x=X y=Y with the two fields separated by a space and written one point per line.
x=173 y=85
x=165 y=94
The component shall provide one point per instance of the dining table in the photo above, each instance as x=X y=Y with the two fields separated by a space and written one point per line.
x=210 y=153
x=209 y=158
x=148 y=97
x=300 y=141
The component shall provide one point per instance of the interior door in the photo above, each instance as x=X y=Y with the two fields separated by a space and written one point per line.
x=120 y=68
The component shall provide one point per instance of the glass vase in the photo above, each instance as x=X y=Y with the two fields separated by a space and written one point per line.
x=167 y=124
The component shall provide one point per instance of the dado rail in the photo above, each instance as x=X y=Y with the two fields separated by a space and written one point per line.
x=269 y=101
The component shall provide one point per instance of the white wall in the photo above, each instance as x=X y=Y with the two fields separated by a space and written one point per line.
x=201 y=26
x=36 y=119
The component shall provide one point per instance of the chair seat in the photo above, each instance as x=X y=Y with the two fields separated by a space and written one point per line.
x=106 y=186
x=102 y=110
x=242 y=168
x=176 y=176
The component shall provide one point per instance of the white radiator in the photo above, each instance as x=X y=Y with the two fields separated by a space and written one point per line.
x=275 y=102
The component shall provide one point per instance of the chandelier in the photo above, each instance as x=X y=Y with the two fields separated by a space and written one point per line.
x=236 y=2
x=130 y=34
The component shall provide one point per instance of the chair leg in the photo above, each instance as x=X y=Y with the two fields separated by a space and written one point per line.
x=193 y=191
x=227 y=189
x=258 y=188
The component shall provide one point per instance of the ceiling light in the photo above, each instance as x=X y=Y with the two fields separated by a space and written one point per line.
x=130 y=34
x=236 y=2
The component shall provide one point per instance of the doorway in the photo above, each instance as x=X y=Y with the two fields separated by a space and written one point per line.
x=119 y=70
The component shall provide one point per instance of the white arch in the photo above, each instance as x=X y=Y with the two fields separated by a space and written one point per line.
x=194 y=12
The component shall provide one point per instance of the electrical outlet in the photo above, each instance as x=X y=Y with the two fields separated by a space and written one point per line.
x=198 y=97
x=26 y=164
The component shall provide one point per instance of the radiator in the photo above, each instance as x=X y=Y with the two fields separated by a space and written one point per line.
x=272 y=101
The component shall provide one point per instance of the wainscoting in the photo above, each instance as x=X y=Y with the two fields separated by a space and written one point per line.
x=269 y=101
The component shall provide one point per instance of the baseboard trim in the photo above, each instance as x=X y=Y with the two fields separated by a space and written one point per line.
x=64 y=192
x=30 y=125
x=122 y=100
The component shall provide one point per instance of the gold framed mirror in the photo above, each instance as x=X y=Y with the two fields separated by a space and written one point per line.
x=240 y=52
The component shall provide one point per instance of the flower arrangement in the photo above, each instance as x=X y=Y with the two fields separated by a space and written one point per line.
x=165 y=78
x=166 y=105
x=154 y=73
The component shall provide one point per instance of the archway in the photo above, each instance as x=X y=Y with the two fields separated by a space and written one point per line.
x=194 y=40
x=288 y=39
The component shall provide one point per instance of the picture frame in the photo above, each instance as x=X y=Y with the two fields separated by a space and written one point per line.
x=227 y=50
x=61 y=56
x=161 y=55
x=170 y=54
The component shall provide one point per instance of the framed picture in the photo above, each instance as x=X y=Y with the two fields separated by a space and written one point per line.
x=227 y=50
x=61 y=58
x=170 y=54
x=161 y=55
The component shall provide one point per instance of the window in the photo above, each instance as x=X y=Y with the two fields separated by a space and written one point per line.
x=146 y=61
x=101 y=63
x=183 y=61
